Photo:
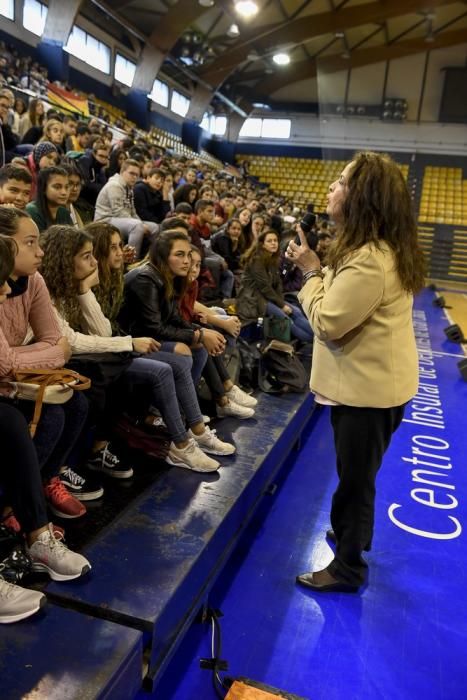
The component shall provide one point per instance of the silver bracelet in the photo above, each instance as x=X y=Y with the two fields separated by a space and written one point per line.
x=312 y=273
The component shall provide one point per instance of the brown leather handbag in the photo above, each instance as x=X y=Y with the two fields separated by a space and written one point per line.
x=54 y=386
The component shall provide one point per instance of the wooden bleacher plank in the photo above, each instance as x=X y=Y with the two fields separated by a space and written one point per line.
x=154 y=566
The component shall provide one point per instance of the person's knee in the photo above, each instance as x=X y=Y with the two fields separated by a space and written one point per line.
x=182 y=349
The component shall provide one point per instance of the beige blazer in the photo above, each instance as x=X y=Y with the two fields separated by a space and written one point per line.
x=364 y=350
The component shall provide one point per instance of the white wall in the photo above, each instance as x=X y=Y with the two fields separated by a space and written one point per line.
x=361 y=133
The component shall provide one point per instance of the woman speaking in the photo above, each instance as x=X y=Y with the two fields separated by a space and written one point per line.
x=365 y=364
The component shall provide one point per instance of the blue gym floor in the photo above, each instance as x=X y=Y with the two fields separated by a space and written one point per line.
x=404 y=636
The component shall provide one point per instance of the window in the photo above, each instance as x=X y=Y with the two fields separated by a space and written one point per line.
x=124 y=70
x=276 y=129
x=217 y=125
x=34 y=16
x=89 y=49
x=7 y=9
x=179 y=103
x=251 y=128
x=266 y=128
x=160 y=93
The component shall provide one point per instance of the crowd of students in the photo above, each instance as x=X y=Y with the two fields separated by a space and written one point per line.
x=122 y=257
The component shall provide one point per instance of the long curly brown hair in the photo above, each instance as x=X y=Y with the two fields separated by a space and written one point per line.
x=60 y=245
x=109 y=293
x=8 y=251
x=377 y=207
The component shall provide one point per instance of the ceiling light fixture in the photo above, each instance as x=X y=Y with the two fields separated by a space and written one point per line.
x=233 y=30
x=206 y=3
x=281 y=59
x=246 y=8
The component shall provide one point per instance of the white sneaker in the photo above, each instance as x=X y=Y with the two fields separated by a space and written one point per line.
x=50 y=554
x=209 y=442
x=239 y=396
x=235 y=410
x=191 y=457
x=17 y=603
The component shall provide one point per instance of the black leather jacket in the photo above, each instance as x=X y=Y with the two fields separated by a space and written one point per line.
x=147 y=313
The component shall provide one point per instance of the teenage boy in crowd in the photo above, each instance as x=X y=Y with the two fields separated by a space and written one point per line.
x=152 y=197
x=15 y=186
x=115 y=204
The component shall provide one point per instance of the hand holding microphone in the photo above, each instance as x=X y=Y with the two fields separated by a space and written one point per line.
x=301 y=254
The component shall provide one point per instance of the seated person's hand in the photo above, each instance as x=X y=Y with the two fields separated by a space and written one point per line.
x=213 y=341
x=89 y=282
x=287 y=309
x=145 y=345
x=129 y=254
x=232 y=325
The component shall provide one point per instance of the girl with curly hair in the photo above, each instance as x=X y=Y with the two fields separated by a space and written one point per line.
x=49 y=206
x=261 y=293
x=152 y=378
x=28 y=306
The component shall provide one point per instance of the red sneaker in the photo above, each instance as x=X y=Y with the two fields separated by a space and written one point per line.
x=61 y=503
x=11 y=522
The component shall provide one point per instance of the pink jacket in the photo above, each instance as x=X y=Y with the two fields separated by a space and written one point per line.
x=34 y=309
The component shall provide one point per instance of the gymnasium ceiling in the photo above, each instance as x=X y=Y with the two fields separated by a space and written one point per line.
x=318 y=35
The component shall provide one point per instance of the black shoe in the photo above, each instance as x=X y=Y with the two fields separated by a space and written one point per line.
x=324 y=582
x=83 y=488
x=331 y=536
x=107 y=462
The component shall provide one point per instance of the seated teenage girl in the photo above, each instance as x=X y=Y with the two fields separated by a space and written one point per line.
x=71 y=272
x=28 y=305
x=261 y=291
x=109 y=254
x=50 y=205
x=230 y=399
x=20 y=479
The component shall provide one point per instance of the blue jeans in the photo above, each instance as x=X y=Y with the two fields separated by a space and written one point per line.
x=301 y=328
x=199 y=357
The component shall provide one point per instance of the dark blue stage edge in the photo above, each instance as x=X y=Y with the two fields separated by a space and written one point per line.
x=155 y=565
x=405 y=635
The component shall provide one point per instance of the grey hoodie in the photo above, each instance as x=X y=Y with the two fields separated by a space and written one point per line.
x=115 y=200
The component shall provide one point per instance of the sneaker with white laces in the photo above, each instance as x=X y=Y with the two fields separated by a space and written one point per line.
x=50 y=554
x=84 y=489
x=191 y=457
x=209 y=442
x=17 y=603
x=239 y=396
x=106 y=462
x=234 y=410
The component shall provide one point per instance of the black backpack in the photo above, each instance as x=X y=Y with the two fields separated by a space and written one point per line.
x=280 y=370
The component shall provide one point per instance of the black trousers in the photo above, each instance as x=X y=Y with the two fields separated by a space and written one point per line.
x=361 y=437
x=20 y=475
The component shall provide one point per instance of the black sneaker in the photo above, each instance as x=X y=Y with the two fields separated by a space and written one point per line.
x=84 y=489
x=106 y=462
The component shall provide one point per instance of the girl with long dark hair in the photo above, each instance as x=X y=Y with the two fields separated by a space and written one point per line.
x=261 y=294
x=365 y=363
x=50 y=204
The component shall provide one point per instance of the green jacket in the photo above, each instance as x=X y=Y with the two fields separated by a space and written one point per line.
x=63 y=216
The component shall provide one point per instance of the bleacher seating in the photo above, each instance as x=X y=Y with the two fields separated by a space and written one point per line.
x=301 y=179
x=444 y=196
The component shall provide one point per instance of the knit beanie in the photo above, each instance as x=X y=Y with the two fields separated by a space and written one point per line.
x=42 y=149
